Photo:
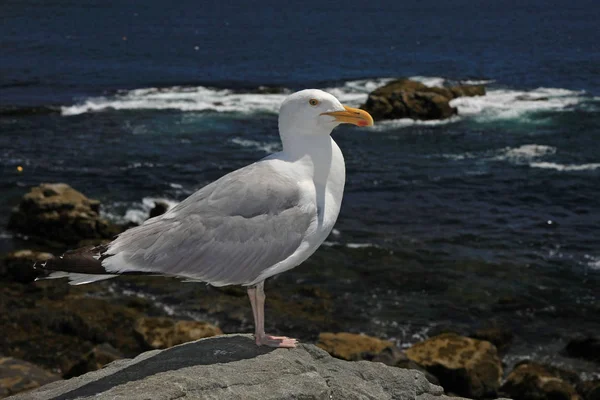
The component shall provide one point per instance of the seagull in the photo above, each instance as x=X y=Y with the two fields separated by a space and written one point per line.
x=251 y=224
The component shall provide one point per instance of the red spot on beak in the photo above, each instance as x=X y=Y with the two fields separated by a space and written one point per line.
x=362 y=123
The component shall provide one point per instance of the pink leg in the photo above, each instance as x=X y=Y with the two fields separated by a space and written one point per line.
x=257 y=300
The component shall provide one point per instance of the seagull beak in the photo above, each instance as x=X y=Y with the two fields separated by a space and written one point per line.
x=352 y=116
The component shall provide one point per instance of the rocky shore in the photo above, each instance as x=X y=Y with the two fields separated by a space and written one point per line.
x=53 y=331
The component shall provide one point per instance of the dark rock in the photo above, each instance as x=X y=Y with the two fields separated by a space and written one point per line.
x=394 y=357
x=533 y=381
x=161 y=333
x=404 y=98
x=95 y=359
x=465 y=366
x=52 y=324
x=498 y=336
x=232 y=367
x=159 y=208
x=585 y=347
x=57 y=213
x=589 y=390
x=18 y=376
x=18 y=265
x=351 y=346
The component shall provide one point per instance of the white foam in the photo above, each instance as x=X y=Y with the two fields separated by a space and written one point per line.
x=135 y=213
x=267 y=147
x=509 y=104
x=566 y=167
x=524 y=153
x=593 y=263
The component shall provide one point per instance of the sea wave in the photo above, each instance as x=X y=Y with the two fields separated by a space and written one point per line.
x=122 y=212
x=498 y=103
x=566 y=167
x=267 y=147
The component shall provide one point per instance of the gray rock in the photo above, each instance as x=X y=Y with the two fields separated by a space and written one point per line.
x=232 y=367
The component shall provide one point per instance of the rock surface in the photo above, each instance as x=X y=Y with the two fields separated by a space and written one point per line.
x=162 y=332
x=93 y=360
x=19 y=376
x=18 y=265
x=232 y=367
x=533 y=381
x=464 y=366
x=57 y=213
x=404 y=98
x=589 y=390
x=351 y=346
x=585 y=347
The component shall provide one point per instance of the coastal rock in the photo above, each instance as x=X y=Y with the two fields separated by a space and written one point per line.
x=464 y=366
x=394 y=357
x=351 y=346
x=160 y=207
x=19 y=376
x=95 y=359
x=498 y=336
x=18 y=265
x=404 y=98
x=589 y=390
x=162 y=333
x=585 y=347
x=57 y=213
x=233 y=367
x=533 y=381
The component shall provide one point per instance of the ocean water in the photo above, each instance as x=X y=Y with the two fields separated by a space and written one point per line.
x=490 y=216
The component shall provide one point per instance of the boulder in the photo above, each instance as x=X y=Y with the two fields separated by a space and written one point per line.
x=585 y=347
x=498 y=336
x=533 y=381
x=465 y=366
x=233 y=367
x=404 y=98
x=57 y=213
x=19 y=376
x=351 y=346
x=18 y=265
x=162 y=333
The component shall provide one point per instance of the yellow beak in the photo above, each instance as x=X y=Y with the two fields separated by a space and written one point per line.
x=352 y=116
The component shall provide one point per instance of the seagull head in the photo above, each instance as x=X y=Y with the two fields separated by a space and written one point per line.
x=315 y=112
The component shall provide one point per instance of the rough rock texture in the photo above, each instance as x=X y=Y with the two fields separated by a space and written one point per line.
x=404 y=98
x=351 y=346
x=533 y=381
x=18 y=376
x=18 y=265
x=464 y=366
x=586 y=347
x=162 y=333
x=499 y=336
x=394 y=357
x=58 y=213
x=232 y=367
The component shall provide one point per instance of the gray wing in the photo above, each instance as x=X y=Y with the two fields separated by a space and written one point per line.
x=226 y=233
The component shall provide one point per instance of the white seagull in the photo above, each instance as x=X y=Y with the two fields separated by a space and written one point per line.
x=249 y=225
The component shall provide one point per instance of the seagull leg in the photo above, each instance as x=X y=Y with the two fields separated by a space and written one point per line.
x=257 y=300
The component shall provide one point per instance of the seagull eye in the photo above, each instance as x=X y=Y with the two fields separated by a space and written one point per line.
x=313 y=102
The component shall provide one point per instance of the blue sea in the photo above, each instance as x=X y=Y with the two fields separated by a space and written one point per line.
x=492 y=216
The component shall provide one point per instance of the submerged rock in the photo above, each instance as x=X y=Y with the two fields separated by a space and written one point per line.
x=585 y=347
x=57 y=213
x=18 y=376
x=533 y=381
x=162 y=333
x=351 y=346
x=404 y=98
x=464 y=366
x=233 y=367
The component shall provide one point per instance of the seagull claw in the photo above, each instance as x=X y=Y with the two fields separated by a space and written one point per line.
x=276 y=341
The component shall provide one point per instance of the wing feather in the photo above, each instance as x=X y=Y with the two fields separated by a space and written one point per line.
x=226 y=233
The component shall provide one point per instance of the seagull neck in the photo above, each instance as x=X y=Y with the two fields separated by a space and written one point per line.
x=313 y=150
